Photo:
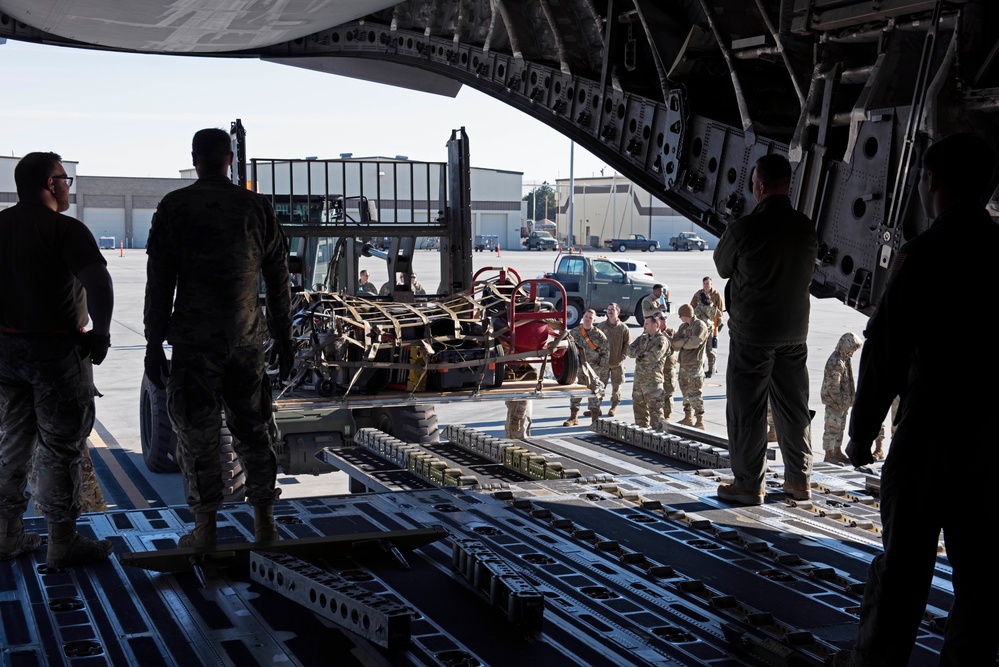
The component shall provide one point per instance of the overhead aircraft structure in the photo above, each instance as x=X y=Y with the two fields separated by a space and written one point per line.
x=680 y=96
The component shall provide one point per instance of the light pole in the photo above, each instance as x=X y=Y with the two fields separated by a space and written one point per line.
x=572 y=189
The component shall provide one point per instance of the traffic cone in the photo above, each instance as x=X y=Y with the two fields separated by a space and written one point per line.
x=498 y=249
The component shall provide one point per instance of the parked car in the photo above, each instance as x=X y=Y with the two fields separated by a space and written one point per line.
x=687 y=241
x=595 y=282
x=634 y=268
x=540 y=241
x=633 y=242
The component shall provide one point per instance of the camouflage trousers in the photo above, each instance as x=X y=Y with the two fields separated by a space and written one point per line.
x=593 y=400
x=201 y=382
x=91 y=495
x=46 y=413
x=881 y=434
x=648 y=405
x=835 y=426
x=691 y=381
x=518 y=420
x=614 y=377
x=669 y=387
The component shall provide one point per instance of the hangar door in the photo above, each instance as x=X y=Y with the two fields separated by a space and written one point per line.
x=142 y=220
x=107 y=222
x=495 y=224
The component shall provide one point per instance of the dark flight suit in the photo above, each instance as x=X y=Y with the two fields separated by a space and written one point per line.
x=210 y=241
x=929 y=479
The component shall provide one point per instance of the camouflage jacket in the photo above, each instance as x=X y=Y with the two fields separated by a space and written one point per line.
x=618 y=338
x=711 y=315
x=838 y=389
x=669 y=361
x=597 y=354
x=649 y=352
x=691 y=341
x=209 y=243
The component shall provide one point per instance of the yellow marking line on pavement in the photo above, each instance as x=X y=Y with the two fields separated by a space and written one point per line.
x=132 y=491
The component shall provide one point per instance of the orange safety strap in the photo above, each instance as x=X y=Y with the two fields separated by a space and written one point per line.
x=587 y=338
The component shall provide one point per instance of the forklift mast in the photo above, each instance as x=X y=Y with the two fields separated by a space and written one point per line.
x=237 y=135
x=336 y=211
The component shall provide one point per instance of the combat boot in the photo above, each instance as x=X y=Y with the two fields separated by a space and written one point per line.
x=573 y=418
x=14 y=541
x=67 y=547
x=700 y=422
x=688 y=418
x=879 y=453
x=264 y=528
x=205 y=535
x=836 y=456
x=772 y=434
x=594 y=415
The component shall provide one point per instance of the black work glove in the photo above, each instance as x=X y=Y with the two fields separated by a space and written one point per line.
x=286 y=357
x=858 y=454
x=155 y=365
x=97 y=346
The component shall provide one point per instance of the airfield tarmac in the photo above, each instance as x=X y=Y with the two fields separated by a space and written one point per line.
x=129 y=484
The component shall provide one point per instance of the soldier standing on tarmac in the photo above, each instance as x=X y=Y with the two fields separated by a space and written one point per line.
x=669 y=362
x=591 y=343
x=209 y=242
x=709 y=307
x=837 y=395
x=648 y=351
x=690 y=339
x=53 y=278
x=618 y=339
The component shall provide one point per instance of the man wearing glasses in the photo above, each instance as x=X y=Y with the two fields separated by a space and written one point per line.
x=54 y=279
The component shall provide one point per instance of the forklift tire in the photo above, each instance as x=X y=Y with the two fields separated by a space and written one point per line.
x=233 y=475
x=566 y=367
x=159 y=442
x=415 y=424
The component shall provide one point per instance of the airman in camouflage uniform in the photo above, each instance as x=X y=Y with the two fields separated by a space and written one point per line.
x=690 y=339
x=618 y=339
x=591 y=344
x=669 y=363
x=709 y=306
x=209 y=242
x=53 y=278
x=838 y=391
x=649 y=350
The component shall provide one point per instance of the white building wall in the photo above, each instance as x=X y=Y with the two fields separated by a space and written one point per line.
x=609 y=207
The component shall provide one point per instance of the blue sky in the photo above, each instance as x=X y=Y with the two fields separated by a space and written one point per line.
x=133 y=115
